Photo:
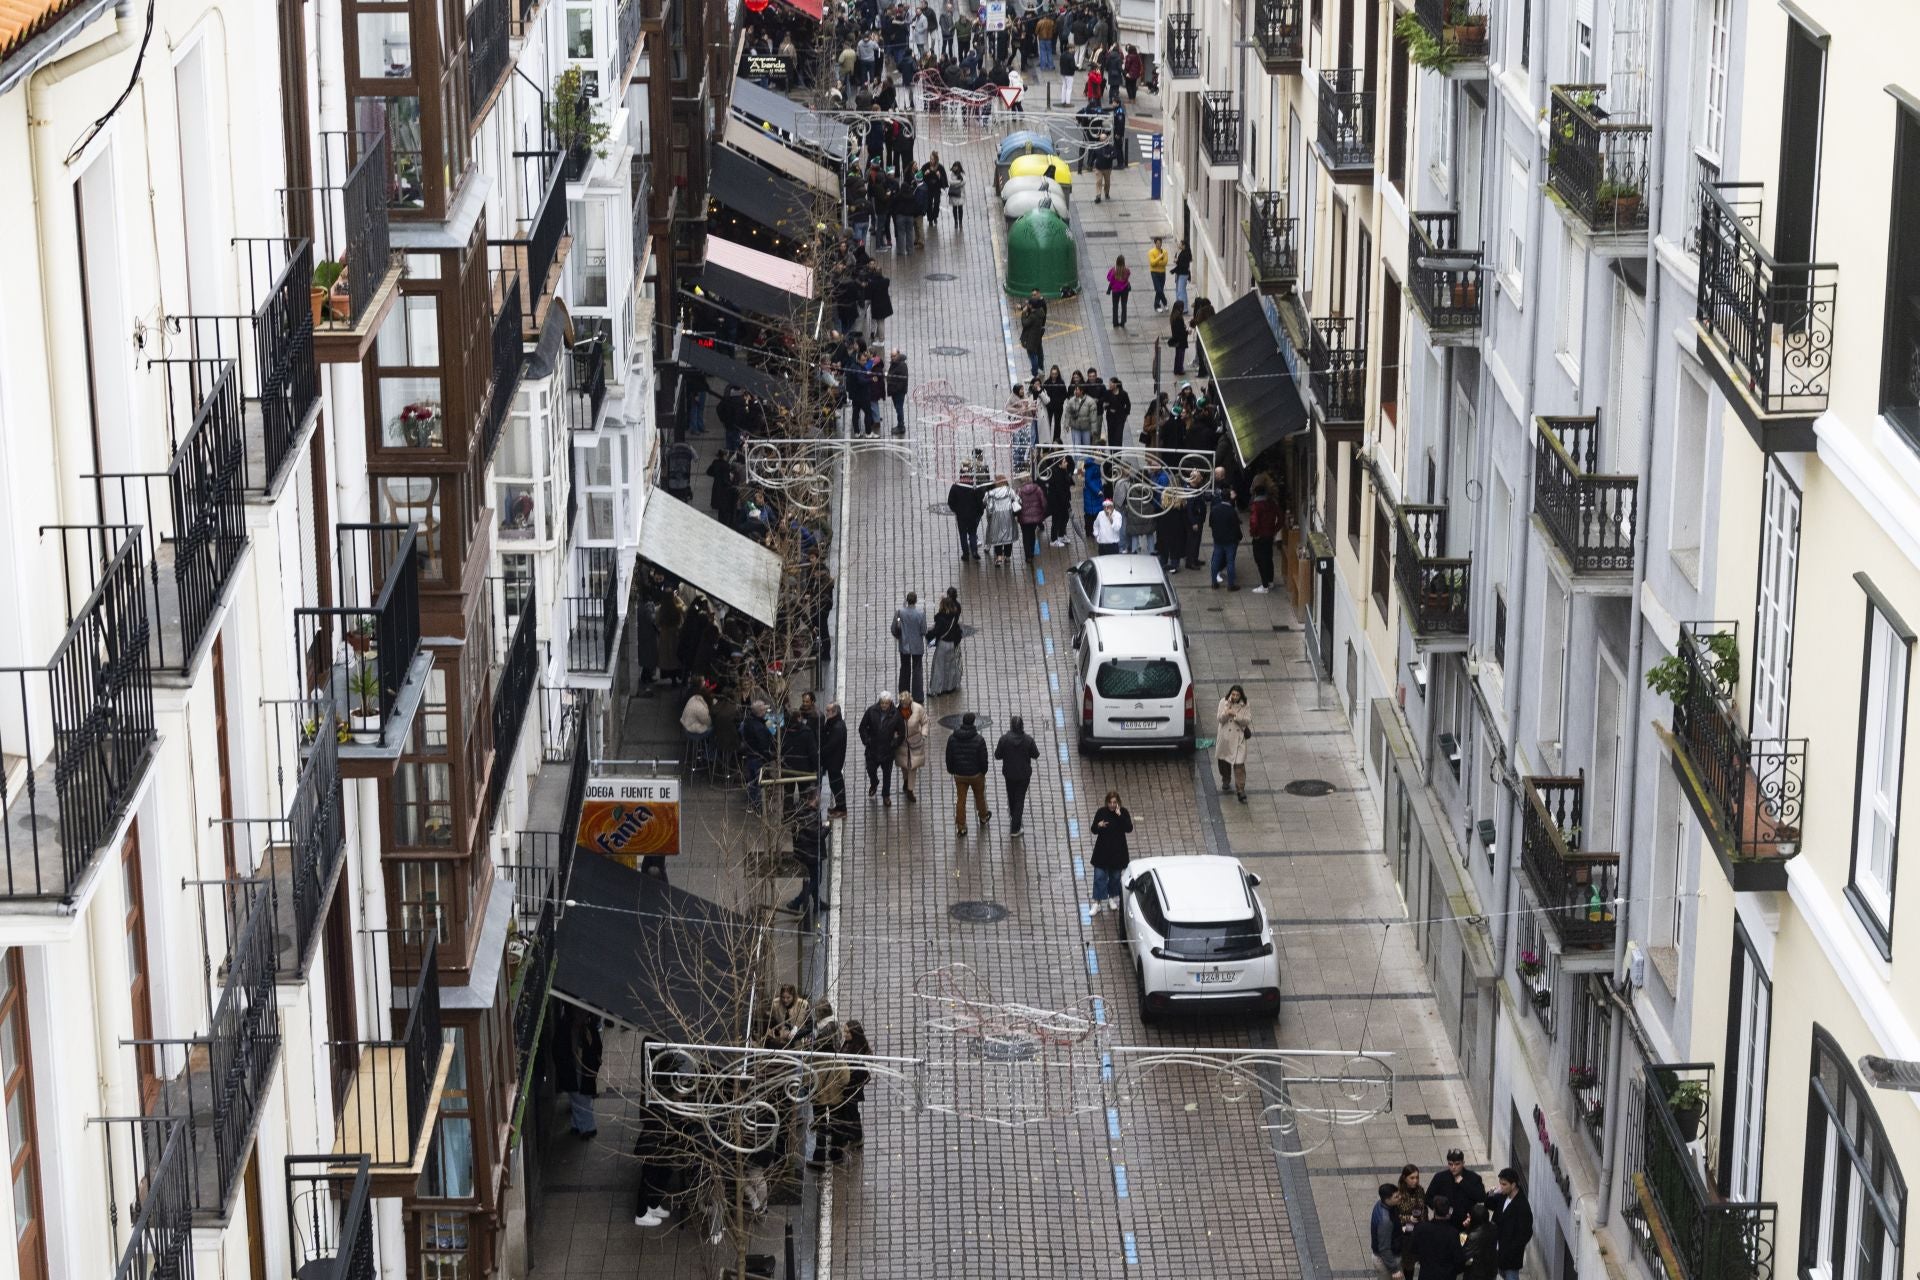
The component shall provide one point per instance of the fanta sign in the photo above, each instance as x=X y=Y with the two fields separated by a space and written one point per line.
x=631 y=818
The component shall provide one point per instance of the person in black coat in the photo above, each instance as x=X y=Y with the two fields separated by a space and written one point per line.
x=1110 y=827
x=576 y=1067
x=725 y=499
x=1434 y=1252
x=811 y=836
x=881 y=734
x=1224 y=520
x=1512 y=1223
x=879 y=301
x=1116 y=405
x=800 y=739
x=1059 y=485
x=1016 y=753
x=756 y=749
x=967 y=765
x=968 y=502
x=1460 y=1185
x=833 y=757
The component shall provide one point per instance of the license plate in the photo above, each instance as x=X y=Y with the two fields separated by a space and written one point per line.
x=1215 y=977
x=1140 y=724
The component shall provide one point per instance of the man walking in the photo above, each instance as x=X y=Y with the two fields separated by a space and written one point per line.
x=1512 y=1223
x=967 y=765
x=880 y=734
x=833 y=758
x=910 y=629
x=1225 y=522
x=810 y=840
x=1016 y=753
x=968 y=502
x=1383 y=1232
x=1033 y=330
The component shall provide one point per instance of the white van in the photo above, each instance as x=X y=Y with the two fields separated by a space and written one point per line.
x=1136 y=689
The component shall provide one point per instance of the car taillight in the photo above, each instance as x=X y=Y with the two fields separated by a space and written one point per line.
x=1086 y=705
x=1188 y=706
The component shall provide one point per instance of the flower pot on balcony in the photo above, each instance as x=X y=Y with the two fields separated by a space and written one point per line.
x=366 y=726
x=318 y=297
x=1689 y=1118
x=1542 y=998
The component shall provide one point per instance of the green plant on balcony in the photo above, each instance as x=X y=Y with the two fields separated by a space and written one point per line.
x=1688 y=1102
x=1618 y=200
x=570 y=115
x=1465 y=28
x=327 y=275
x=1669 y=675
x=1529 y=964
x=1582 y=1077
x=364 y=685
x=363 y=636
x=1424 y=49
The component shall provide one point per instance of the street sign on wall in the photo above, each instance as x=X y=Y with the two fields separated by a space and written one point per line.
x=996 y=15
x=627 y=819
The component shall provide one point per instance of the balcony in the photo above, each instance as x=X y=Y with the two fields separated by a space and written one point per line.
x=1183 y=50
x=1346 y=125
x=330 y=1218
x=588 y=367
x=1597 y=168
x=1220 y=134
x=1697 y=1234
x=537 y=250
x=1460 y=28
x=487 y=55
x=1591 y=517
x=593 y=614
x=1576 y=890
x=193 y=514
x=1433 y=585
x=1270 y=243
x=213 y=1084
x=77 y=735
x=1765 y=328
x=1337 y=375
x=393 y=1100
x=1278 y=37
x=362 y=655
x=509 y=356
x=350 y=221
x=629 y=23
x=149 y=1173
x=1443 y=278
x=516 y=673
x=1747 y=791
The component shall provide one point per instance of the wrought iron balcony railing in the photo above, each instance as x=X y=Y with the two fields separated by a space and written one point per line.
x=150 y=1177
x=1771 y=322
x=1576 y=889
x=589 y=379
x=1597 y=166
x=1432 y=583
x=509 y=356
x=394 y=1098
x=629 y=23
x=1337 y=368
x=518 y=672
x=593 y=611
x=1442 y=276
x=577 y=155
x=1698 y=1234
x=1270 y=242
x=1277 y=35
x=487 y=54
x=1752 y=788
x=77 y=734
x=1220 y=127
x=363 y=652
x=1183 y=46
x=353 y=231
x=534 y=251
x=1592 y=517
x=330 y=1217
x=1459 y=25
x=1346 y=123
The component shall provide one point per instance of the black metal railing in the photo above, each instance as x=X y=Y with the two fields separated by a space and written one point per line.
x=534 y=251
x=521 y=17
x=1592 y=517
x=1220 y=127
x=1459 y=25
x=1183 y=46
x=385 y=1112
x=640 y=177
x=592 y=622
x=1576 y=889
x=149 y=1166
x=1756 y=785
x=1773 y=320
x=1346 y=120
x=628 y=25
x=589 y=370
x=487 y=54
x=1277 y=34
x=1443 y=277
x=1337 y=368
x=351 y=226
x=1709 y=1237
x=576 y=153
x=1596 y=165
x=562 y=721
x=512 y=691
x=509 y=355
x=330 y=1217
x=361 y=650
x=1270 y=240
x=1433 y=584
x=82 y=723
x=215 y=1083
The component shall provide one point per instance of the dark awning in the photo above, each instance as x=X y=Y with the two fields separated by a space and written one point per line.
x=713 y=362
x=656 y=959
x=784 y=114
x=1257 y=389
x=779 y=204
x=744 y=293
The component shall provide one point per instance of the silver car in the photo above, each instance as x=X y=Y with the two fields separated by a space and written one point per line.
x=1118 y=585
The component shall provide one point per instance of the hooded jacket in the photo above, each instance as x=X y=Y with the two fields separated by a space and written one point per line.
x=1016 y=752
x=966 y=753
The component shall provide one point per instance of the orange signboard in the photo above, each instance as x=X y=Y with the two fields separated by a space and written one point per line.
x=631 y=818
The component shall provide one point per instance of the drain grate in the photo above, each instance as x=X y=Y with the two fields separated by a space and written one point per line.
x=951 y=351
x=1262 y=662
x=1310 y=787
x=1100 y=235
x=977 y=912
x=940 y=275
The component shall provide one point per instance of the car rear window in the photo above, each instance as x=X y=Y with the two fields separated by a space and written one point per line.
x=1138 y=678
x=1130 y=596
x=1211 y=941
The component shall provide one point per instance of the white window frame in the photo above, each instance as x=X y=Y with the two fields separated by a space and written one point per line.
x=1883 y=715
x=1570 y=331
x=1513 y=241
x=1580 y=56
x=1555 y=630
x=1774 y=608
x=1751 y=1018
x=1715 y=61
x=1440 y=166
x=1688 y=471
x=1847 y=1204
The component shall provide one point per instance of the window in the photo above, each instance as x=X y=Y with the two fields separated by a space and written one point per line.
x=1440 y=166
x=1743 y=1113
x=1687 y=498
x=1850 y=1227
x=1553 y=663
x=1669 y=854
x=1570 y=332
x=449 y=1170
x=1883 y=719
x=1333 y=489
x=1355 y=501
x=580 y=32
x=1138 y=678
x=1513 y=245
x=1399 y=89
x=1900 y=347
x=16 y=1083
x=1525 y=35
x=1773 y=610
x=1582 y=61
x=1382 y=558
x=1715 y=41
x=1587 y=1058
x=1391 y=355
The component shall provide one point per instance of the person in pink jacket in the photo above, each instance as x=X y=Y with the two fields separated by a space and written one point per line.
x=1119 y=285
x=1033 y=514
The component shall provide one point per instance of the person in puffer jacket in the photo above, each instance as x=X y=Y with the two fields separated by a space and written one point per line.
x=1033 y=514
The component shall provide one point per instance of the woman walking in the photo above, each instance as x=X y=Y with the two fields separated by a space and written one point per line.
x=1182 y=272
x=1110 y=826
x=1157 y=272
x=1177 y=337
x=944 y=634
x=956 y=193
x=1119 y=285
x=1059 y=483
x=1001 y=508
x=1230 y=743
x=897 y=390
x=1055 y=391
x=1263 y=523
x=912 y=756
x=1033 y=514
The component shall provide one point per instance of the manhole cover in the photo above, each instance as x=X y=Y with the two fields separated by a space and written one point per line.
x=1005 y=1048
x=977 y=912
x=980 y=722
x=1309 y=787
x=940 y=275
x=951 y=351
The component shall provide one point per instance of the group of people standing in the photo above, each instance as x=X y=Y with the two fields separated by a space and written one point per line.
x=1452 y=1227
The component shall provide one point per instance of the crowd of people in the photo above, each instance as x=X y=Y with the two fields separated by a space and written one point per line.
x=1452 y=1227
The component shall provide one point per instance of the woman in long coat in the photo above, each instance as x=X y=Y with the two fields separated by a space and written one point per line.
x=1001 y=509
x=947 y=669
x=912 y=756
x=1230 y=743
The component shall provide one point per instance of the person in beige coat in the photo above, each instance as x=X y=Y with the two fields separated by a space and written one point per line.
x=912 y=756
x=1230 y=742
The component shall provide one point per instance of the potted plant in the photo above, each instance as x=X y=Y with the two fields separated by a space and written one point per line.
x=1722 y=656
x=361 y=635
x=364 y=685
x=1688 y=1102
x=1542 y=998
x=1582 y=1077
x=1470 y=30
x=1595 y=1115
x=326 y=274
x=1620 y=200
x=420 y=425
x=1529 y=964
x=571 y=121
x=1424 y=49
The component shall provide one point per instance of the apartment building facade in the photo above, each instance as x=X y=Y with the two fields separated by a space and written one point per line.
x=292 y=726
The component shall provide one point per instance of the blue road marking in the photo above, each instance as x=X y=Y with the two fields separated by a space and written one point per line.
x=1059 y=718
x=1120 y=1180
x=1113 y=1124
x=1099 y=1011
x=1044 y=614
x=1053 y=681
x=1106 y=1068
x=1073 y=827
x=1066 y=785
x=1093 y=961
x=1079 y=868
x=1133 y=1254
x=1049 y=642
x=1063 y=753
x=1086 y=914
x=1040 y=576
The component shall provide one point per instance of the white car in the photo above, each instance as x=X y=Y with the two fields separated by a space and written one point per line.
x=1199 y=937
x=1118 y=584
x=1136 y=689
